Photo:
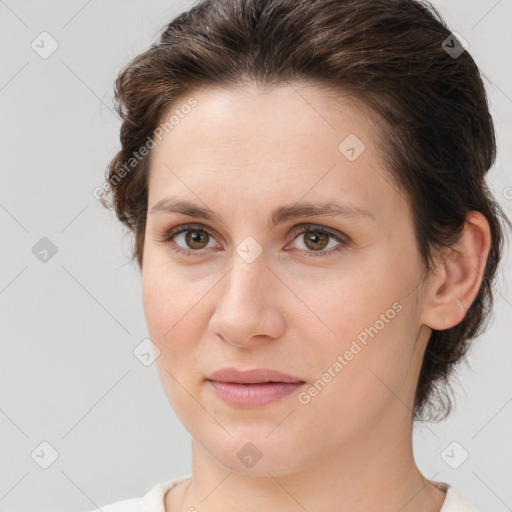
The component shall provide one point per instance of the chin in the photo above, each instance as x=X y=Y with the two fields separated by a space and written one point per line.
x=256 y=453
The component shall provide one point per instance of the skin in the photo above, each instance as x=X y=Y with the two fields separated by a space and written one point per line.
x=243 y=152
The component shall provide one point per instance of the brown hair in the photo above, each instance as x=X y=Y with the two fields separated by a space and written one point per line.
x=394 y=55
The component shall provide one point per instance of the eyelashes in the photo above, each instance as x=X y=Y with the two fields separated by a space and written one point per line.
x=199 y=229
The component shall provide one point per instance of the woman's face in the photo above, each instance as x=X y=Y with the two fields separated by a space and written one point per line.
x=338 y=309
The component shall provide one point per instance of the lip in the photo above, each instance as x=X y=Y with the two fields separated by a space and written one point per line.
x=255 y=376
x=253 y=388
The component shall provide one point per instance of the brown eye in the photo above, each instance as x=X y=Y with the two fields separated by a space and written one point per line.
x=188 y=239
x=191 y=240
x=195 y=238
x=316 y=240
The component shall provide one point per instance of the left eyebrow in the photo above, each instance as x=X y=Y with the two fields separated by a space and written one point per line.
x=278 y=216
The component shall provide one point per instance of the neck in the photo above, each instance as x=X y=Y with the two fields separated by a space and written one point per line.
x=375 y=471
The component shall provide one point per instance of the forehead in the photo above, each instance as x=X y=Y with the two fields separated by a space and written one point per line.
x=289 y=141
x=290 y=114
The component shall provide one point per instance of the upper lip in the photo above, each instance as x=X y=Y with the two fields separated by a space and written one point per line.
x=254 y=376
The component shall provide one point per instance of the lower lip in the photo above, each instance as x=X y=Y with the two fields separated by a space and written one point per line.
x=254 y=395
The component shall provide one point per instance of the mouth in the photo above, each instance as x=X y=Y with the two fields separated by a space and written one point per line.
x=252 y=388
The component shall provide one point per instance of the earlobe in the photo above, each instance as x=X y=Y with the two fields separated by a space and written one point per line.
x=457 y=281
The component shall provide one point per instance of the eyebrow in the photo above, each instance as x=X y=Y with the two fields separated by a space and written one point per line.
x=278 y=216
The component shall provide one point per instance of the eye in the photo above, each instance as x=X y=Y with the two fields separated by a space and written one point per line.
x=316 y=239
x=192 y=239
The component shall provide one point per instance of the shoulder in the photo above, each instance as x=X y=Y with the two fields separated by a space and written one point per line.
x=454 y=501
x=152 y=501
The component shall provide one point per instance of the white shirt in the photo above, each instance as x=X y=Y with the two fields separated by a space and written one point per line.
x=153 y=500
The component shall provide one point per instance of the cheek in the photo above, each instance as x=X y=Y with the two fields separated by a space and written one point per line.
x=358 y=382
x=167 y=295
x=169 y=310
x=361 y=301
x=367 y=335
x=174 y=309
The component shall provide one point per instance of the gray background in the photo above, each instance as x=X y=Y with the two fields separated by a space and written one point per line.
x=68 y=329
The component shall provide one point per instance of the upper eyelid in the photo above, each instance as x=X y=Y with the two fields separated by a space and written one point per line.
x=299 y=229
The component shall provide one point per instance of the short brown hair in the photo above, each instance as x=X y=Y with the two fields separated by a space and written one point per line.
x=391 y=54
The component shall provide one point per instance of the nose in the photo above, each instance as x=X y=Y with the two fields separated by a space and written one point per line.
x=248 y=308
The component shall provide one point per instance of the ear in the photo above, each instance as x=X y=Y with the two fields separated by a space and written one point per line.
x=455 y=284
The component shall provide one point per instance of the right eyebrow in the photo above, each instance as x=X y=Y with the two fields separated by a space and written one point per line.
x=278 y=215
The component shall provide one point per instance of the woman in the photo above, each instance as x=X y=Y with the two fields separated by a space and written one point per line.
x=305 y=182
